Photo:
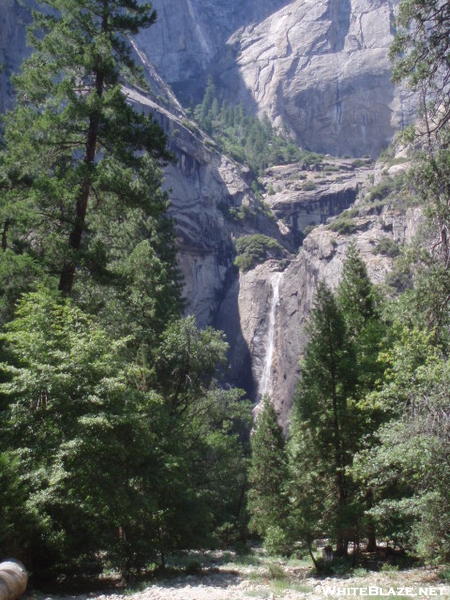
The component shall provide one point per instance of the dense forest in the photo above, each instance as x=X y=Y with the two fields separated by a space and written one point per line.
x=120 y=443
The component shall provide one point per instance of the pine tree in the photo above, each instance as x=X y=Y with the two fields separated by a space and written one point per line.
x=359 y=305
x=74 y=147
x=356 y=294
x=323 y=423
x=268 y=476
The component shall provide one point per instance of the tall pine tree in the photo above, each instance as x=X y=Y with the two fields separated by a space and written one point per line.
x=268 y=476
x=322 y=425
x=75 y=148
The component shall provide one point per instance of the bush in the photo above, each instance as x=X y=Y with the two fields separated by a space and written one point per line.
x=277 y=542
x=387 y=247
x=255 y=249
x=383 y=189
x=343 y=225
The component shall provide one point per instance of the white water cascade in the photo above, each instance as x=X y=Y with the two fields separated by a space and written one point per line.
x=264 y=386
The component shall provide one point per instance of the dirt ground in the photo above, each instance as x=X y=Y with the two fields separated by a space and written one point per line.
x=263 y=579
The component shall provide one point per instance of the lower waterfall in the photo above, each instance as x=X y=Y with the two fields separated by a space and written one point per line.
x=264 y=386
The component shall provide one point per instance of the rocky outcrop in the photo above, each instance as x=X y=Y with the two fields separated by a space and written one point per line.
x=320 y=69
x=203 y=186
x=303 y=198
x=244 y=314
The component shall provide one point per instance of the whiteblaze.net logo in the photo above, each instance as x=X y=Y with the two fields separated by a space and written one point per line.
x=373 y=590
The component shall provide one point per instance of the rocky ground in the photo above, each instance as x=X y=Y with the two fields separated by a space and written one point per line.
x=230 y=578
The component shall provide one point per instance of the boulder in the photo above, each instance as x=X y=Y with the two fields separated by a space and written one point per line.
x=13 y=579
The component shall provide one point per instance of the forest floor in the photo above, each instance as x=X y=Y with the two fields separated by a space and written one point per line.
x=225 y=576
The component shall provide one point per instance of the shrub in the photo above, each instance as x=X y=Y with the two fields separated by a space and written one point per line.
x=387 y=247
x=277 y=543
x=254 y=249
x=343 y=225
x=383 y=189
x=308 y=229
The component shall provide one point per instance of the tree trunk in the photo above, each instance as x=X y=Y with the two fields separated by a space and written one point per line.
x=13 y=580
x=5 y=235
x=371 y=538
x=342 y=546
x=68 y=270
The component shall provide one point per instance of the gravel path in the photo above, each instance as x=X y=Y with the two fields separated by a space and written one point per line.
x=244 y=583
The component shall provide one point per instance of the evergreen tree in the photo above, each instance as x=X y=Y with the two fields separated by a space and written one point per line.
x=360 y=308
x=74 y=148
x=324 y=416
x=116 y=460
x=356 y=293
x=267 y=501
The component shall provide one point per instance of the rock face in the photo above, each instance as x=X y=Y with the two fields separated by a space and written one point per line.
x=14 y=17
x=317 y=68
x=320 y=69
x=245 y=311
x=203 y=186
x=304 y=198
x=190 y=35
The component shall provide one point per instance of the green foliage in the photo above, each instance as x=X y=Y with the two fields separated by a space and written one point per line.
x=117 y=443
x=324 y=423
x=388 y=247
x=254 y=249
x=381 y=190
x=422 y=55
x=75 y=150
x=409 y=466
x=267 y=476
x=69 y=424
x=246 y=138
x=308 y=186
x=332 y=421
x=97 y=455
x=343 y=225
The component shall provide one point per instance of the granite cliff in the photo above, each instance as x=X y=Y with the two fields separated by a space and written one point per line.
x=318 y=69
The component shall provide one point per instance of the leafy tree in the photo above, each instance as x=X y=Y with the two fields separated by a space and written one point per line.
x=254 y=249
x=110 y=467
x=409 y=467
x=79 y=434
x=74 y=147
x=422 y=52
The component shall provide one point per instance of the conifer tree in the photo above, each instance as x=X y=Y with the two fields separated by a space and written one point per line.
x=356 y=293
x=268 y=472
x=74 y=147
x=358 y=303
x=324 y=415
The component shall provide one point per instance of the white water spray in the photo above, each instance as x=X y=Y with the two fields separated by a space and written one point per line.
x=265 y=383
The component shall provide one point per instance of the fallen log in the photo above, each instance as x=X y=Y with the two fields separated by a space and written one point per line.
x=13 y=580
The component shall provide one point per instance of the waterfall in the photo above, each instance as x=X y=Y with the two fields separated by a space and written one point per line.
x=264 y=386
